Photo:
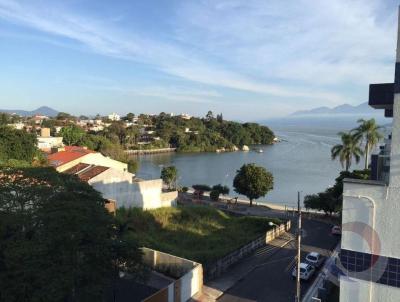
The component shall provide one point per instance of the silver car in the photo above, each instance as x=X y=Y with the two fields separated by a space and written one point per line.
x=315 y=259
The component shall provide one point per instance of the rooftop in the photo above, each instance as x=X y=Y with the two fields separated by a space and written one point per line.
x=69 y=154
x=85 y=171
x=92 y=172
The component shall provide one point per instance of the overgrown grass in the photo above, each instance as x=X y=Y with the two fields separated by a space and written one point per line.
x=198 y=233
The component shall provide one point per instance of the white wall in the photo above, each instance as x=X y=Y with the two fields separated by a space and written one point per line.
x=360 y=209
x=358 y=290
x=118 y=185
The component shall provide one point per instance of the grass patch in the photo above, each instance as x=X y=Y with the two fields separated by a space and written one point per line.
x=198 y=233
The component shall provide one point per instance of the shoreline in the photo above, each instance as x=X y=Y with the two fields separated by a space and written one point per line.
x=264 y=204
x=139 y=152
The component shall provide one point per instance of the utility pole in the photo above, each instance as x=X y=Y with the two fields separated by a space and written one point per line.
x=298 y=289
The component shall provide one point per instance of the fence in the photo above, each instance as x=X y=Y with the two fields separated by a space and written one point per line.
x=218 y=267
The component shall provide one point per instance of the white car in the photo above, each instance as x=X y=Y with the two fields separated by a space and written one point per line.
x=306 y=271
x=314 y=259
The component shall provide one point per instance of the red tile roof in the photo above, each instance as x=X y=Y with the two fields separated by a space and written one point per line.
x=71 y=153
x=92 y=172
x=77 y=168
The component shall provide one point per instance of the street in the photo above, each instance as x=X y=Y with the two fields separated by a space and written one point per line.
x=272 y=279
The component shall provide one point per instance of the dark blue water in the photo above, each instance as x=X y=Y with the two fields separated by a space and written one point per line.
x=301 y=162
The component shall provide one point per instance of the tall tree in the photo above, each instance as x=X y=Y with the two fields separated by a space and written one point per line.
x=169 y=175
x=253 y=182
x=129 y=117
x=209 y=115
x=72 y=135
x=368 y=131
x=58 y=243
x=17 y=145
x=347 y=150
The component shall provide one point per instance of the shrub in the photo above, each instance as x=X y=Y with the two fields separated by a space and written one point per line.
x=204 y=188
x=184 y=189
x=224 y=190
x=214 y=195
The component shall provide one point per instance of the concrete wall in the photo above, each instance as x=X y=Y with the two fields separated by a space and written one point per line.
x=189 y=276
x=215 y=269
x=119 y=186
x=46 y=143
x=377 y=206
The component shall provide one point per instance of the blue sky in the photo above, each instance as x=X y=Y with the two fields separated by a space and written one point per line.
x=248 y=59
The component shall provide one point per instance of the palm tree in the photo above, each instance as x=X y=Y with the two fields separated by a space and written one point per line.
x=347 y=150
x=368 y=131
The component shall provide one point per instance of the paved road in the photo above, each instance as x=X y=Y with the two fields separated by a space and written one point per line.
x=273 y=280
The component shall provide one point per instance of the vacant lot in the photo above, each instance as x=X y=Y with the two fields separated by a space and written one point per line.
x=197 y=233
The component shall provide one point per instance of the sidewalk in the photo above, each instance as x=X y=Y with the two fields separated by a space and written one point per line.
x=212 y=290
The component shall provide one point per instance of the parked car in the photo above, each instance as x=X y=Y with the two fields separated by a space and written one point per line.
x=306 y=271
x=315 y=259
x=336 y=230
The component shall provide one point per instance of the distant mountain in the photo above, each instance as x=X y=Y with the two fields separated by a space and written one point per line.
x=362 y=109
x=44 y=110
x=340 y=118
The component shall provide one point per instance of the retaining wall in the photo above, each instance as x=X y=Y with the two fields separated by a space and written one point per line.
x=215 y=269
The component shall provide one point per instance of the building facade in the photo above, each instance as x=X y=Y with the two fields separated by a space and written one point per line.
x=370 y=247
x=112 y=179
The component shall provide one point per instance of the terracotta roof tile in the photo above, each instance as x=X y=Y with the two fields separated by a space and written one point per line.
x=71 y=153
x=77 y=168
x=92 y=172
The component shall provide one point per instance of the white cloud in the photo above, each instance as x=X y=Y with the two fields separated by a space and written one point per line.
x=303 y=51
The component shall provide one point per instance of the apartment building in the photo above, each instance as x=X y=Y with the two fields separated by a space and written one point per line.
x=370 y=246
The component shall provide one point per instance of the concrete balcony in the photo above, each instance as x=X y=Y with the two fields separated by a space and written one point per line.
x=381 y=97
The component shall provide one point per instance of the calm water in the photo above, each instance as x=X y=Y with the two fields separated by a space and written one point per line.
x=299 y=163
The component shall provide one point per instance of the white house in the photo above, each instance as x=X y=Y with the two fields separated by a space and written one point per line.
x=45 y=142
x=111 y=178
x=370 y=247
x=114 y=117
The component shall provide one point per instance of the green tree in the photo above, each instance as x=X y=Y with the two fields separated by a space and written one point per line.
x=209 y=115
x=169 y=175
x=64 y=116
x=200 y=187
x=72 y=135
x=331 y=199
x=58 y=243
x=117 y=130
x=347 y=150
x=133 y=166
x=129 y=117
x=224 y=190
x=4 y=118
x=214 y=195
x=253 y=181
x=17 y=145
x=368 y=131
